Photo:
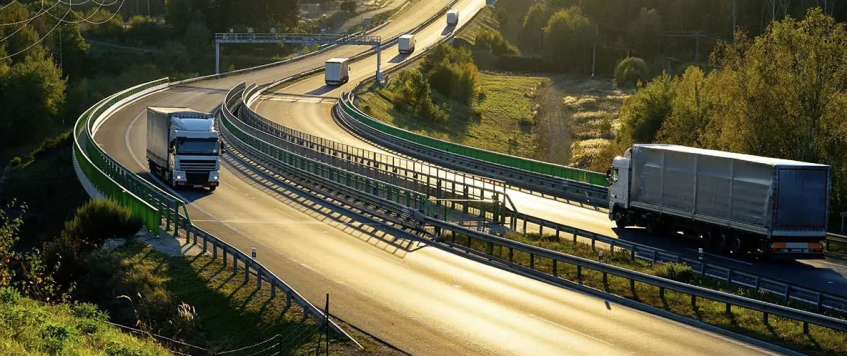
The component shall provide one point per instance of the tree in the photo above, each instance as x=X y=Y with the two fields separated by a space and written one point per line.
x=349 y=6
x=70 y=49
x=631 y=71
x=642 y=114
x=643 y=33
x=21 y=37
x=33 y=94
x=567 y=35
x=533 y=26
x=690 y=113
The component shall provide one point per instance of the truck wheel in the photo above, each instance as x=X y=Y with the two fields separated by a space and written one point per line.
x=652 y=226
x=720 y=242
x=212 y=188
x=620 y=220
x=737 y=244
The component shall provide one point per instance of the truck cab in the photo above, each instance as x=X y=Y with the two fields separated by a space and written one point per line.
x=337 y=71
x=406 y=44
x=183 y=148
x=618 y=177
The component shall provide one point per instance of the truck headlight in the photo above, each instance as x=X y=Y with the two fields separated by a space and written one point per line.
x=178 y=177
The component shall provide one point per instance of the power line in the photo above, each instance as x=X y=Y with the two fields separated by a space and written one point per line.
x=39 y=40
x=94 y=13
x=38 y=14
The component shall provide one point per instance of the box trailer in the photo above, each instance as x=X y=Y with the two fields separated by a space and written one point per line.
x=337 y=71
x=732 y=202
x=452 y=18
x=183 y=149
x=406 y=44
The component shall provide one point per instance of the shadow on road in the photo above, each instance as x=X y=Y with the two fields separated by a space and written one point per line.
x=322 y=90
x=399 y=58
x=286 y=192
x=448 y=30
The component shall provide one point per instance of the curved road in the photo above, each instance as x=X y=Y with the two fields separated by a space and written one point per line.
x=305 y=106
x=421 y=299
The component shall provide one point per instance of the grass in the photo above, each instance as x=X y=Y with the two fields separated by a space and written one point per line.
x=28 y=327
x=484 y=21
x=230 y=312
x=590 y=110
x=501 y=120
x=779 y=331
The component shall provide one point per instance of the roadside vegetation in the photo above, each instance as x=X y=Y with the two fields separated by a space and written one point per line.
x=786 y=333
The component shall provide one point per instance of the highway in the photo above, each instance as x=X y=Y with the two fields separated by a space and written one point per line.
x=306 y=106
x=421 y=299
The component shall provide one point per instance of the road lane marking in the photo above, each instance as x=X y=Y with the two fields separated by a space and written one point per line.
x=571 y=330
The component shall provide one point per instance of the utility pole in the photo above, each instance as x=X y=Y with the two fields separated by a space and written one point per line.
x=734 y=16
x=593 y=59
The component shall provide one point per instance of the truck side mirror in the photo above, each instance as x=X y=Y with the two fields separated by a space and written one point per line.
x=223 y=149
x=609 y=175
x=170 y=150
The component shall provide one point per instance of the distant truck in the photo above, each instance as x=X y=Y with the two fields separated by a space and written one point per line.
x=732 y=203
x=183 y=147
x=337 y=71
x=406 y=44
x=452 y=18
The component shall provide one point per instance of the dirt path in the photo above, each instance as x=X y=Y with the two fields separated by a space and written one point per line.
x=559 y=139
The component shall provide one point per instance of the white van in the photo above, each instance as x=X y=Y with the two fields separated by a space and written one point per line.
x=406 y=44
x=337 y=71
x=452 y=17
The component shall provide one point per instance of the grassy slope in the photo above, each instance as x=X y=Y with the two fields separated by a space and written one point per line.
x=230 y=312
x=587 y=105
x=506 y=101
x=31 y=328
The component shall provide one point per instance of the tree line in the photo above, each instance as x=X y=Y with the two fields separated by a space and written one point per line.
x=780 y=94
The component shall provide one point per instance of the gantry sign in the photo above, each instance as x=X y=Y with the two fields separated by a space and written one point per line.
x=297 y=38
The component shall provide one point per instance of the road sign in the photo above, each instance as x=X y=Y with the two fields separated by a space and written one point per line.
x=253 y=252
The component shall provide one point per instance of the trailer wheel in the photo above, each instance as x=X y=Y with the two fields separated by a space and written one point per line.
x=737 y=244
x=652 y=225
x=720 y=242
x=620 y=220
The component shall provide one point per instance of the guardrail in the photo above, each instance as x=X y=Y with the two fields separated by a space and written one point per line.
x=266 y=152
x=536 y=254
x=158 y=210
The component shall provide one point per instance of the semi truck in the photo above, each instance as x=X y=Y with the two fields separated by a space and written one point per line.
x=731 y=203
x=452 y=17
x=337 y=71
x=183 y=148
x=406 y=44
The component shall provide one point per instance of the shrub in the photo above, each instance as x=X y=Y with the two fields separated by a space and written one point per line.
x=493 y=42
x=15 y=162
x=349 y=6
x=48 y=145
x=630 y=71
x=98 y=220
x=9 y=295
x=679 y=272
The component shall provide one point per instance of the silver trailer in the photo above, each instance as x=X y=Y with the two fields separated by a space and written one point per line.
x=732 y=202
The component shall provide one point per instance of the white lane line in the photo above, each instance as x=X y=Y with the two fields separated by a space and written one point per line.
x=719 y=256
x=229 y=185
x=286 y=214
x=126 y=139
x=571 y=330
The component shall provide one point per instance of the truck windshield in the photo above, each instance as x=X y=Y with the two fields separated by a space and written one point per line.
x=197 y=146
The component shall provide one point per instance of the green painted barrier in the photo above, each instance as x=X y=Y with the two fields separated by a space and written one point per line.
x=146 y=201
x=579 y=175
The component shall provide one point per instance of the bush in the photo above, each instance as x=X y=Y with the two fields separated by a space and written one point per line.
x=349 y=6
x=48 y=145
x=679 y=272
x=15 y=162
x=98 y=220
x=493 y=42
x=452 y=73
x=630 y=71
x=9 y=295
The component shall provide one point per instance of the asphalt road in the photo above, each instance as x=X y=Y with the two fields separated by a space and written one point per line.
x=305 y=106
x=421 y=299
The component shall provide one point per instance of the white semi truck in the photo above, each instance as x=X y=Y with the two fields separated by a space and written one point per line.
x=183 y=147
x=732 y=203
x=406 y=44
x=337 y=71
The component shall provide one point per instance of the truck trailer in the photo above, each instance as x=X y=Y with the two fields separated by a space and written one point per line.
x=733 y=203
x=452 y=17
x=337 y=71
x=183 y=149
x=406 y=44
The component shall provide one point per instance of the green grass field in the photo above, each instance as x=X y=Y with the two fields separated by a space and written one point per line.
x=502 y=120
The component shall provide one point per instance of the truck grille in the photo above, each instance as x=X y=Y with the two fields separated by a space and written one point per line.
x=194 y=165
x=197 y=177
